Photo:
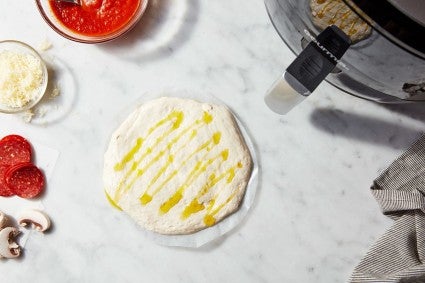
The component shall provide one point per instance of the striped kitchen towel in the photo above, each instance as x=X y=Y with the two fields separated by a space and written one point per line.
x=399 y=255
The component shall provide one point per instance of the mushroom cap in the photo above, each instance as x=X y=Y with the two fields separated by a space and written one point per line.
x=8 y=248
x=3 y=220
x=34 y=218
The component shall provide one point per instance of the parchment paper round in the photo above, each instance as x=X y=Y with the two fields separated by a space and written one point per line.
x=230 y=222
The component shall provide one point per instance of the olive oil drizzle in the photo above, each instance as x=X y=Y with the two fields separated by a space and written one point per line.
x=134 y=172
x=208 y=145
x=141 y=171
x=111 y=202
x=323 y=10
x=175 y=125
x=129 y=156
x=209 y=218
x=200 y=167
x=341 y=18
x=344 y=20
x=176 y=117
x=122 y=190
x=333 y=20
x=195 y=206
x=352 y=29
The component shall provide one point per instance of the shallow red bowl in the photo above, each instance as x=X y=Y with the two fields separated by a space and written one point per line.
x=50 y=18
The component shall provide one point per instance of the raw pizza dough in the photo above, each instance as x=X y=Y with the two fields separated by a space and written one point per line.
x=177 y=166
x=336 y=12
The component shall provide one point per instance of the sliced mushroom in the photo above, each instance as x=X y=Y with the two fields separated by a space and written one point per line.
x=8 y=248
x=35 y=219
x=3 y=220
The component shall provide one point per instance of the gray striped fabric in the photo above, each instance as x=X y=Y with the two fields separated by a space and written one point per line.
x=399 y=255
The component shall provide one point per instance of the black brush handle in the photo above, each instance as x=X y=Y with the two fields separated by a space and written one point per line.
x=319 y=57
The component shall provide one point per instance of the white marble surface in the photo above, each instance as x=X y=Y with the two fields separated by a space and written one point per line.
x=313 y=217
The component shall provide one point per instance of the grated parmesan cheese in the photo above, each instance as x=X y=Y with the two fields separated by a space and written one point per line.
x=21 y=76
x=28 y=115
x=55 y=92
x=45 y=45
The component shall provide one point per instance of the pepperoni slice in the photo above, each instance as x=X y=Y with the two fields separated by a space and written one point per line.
x=14 y=137
x=5 y=191
x=14 y=149
x=25 y=180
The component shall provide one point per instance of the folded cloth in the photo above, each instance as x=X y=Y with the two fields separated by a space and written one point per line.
x=399 y=255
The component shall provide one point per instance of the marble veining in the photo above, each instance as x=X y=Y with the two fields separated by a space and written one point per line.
x=313 y=217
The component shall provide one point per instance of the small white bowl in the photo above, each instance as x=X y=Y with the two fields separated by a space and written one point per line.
x=23 y=48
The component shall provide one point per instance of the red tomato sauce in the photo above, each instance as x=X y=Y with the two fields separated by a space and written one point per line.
x=95 y=17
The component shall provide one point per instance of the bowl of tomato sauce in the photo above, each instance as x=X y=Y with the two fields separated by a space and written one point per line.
x=94 y=21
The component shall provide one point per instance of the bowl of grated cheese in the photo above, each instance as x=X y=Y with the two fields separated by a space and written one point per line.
x=23 y=76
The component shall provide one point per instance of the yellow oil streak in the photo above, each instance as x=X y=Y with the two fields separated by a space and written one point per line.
x=111 y=202
x=175 y=114
x=168 y=179
x=129 y=156
x=157 y=157
x=200 y=167
x=194 y=205
x=352 y=30
x=321 y=13
x=178 y=115
x=344 y=21
x=155 y=178
x=140 y=172
x=146 y=198
x=206 y=119
x=336 y=14
x=176 y=124
x=192 y=208
x=365 y=25
x=346 y=14
x=171 y=202
x=209 y=219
